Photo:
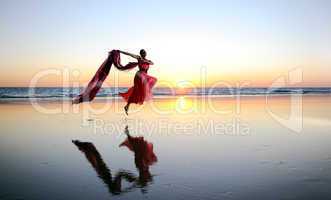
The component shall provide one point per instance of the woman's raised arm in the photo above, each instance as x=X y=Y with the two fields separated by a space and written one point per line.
x=130 y=54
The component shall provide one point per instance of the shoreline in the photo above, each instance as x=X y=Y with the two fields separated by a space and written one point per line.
x=193 y=96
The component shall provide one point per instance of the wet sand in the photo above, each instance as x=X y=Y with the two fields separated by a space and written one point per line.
x=217 y=148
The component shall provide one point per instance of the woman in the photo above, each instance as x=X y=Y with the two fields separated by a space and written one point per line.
x=143 y=83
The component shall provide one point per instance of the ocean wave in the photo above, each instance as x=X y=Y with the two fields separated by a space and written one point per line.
x=67 y=93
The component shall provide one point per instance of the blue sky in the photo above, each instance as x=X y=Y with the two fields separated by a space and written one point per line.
x=234 y=39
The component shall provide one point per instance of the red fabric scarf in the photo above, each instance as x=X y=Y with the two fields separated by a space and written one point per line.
x=95 y=84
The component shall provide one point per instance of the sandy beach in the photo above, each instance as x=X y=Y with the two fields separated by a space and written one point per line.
x=213 y=148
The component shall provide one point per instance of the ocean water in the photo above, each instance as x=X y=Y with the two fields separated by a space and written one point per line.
x=201 y=153
x=60 y=93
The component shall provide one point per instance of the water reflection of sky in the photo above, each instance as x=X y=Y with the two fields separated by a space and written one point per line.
x=39 y=161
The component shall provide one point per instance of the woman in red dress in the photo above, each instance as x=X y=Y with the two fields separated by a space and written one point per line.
x=143 y=83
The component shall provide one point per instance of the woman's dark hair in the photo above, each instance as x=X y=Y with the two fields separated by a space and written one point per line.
x=142 y=53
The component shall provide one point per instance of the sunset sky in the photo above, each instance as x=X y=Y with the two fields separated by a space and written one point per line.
x=254 y=41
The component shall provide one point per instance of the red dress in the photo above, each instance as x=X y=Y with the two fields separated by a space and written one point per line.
x=143 y=84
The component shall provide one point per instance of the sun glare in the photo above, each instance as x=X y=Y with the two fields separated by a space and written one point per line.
x=183 y=104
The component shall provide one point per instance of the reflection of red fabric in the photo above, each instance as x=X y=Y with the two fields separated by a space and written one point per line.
x=143 y=151
x=95 y=84
x=143 y=84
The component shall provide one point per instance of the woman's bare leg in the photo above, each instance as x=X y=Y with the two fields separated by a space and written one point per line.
x=126 y=108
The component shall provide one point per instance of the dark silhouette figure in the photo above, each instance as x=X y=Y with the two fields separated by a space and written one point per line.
x=144 y=157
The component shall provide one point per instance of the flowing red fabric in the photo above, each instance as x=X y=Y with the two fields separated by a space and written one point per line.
x=143 y=151
x=95 y=84
x=143 y=84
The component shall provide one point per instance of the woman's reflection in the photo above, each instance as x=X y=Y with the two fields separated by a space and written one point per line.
x=144 y=157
